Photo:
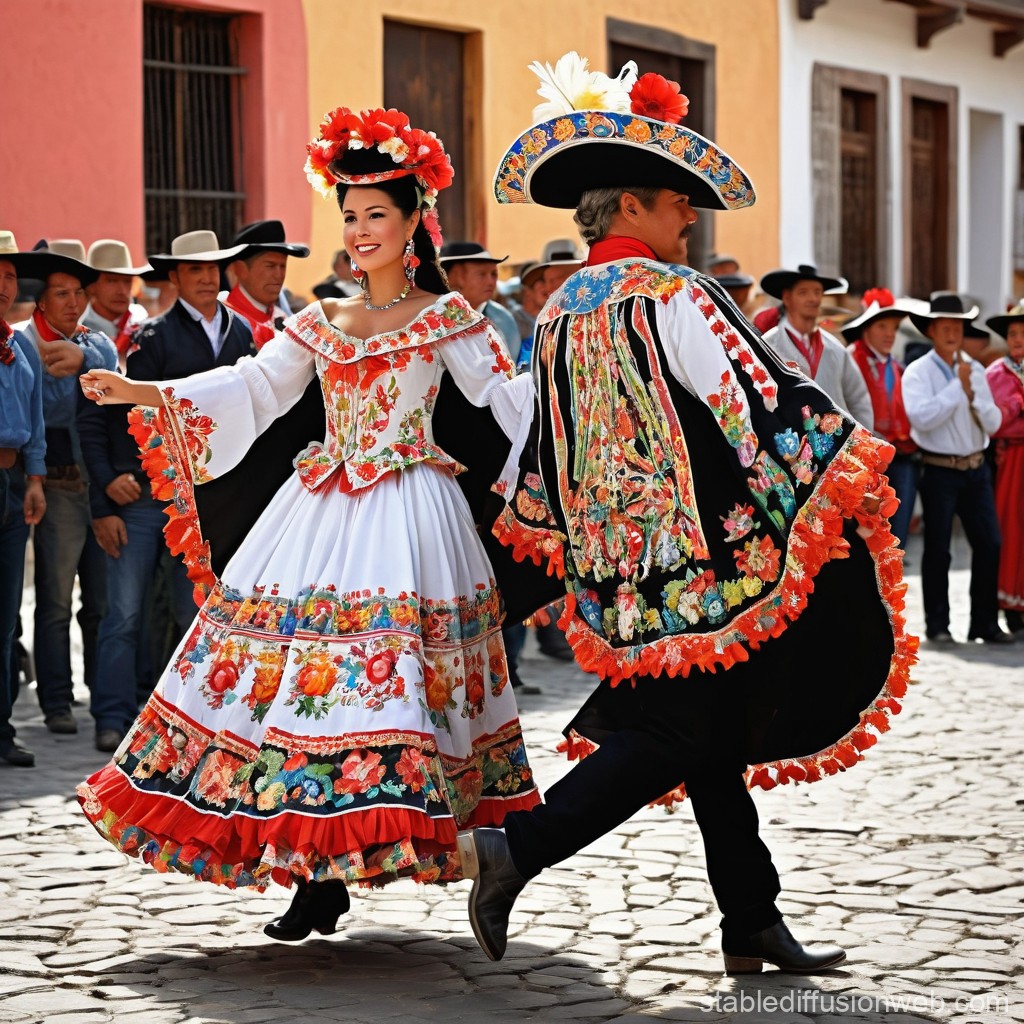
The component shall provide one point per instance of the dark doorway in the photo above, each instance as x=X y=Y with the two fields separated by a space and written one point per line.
x=929 y=243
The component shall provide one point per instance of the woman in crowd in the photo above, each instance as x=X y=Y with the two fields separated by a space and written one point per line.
x=1006 y=379
x=340 y=706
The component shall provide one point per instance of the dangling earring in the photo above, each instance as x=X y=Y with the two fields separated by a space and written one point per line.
x=410 y=261
x=357 y=272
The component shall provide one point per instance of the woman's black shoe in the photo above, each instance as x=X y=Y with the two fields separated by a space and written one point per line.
x=316 y=907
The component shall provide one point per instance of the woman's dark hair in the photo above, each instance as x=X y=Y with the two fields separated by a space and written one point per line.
x=430 y=276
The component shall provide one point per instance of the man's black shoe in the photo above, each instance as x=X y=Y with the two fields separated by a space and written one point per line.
x=776 y=945
x=518 y=686
x=496 y=884
x=996 y=636
x=944 y=638
x=14 y=753
x=62 y=722
x=108 y=740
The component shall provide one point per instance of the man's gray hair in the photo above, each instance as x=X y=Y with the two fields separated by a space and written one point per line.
x=597 y=207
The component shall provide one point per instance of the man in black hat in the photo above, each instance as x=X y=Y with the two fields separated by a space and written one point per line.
x=798 y=339
x=473 y=271
x=197 y=333
x=684 y=486
x=340 y=284
x=63 y=541
x=952 y=414
x=259 y=272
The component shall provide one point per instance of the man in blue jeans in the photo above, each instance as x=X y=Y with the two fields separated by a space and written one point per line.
x=63 y=542
x=127 y=520
x=22 y=470
x=952 y=414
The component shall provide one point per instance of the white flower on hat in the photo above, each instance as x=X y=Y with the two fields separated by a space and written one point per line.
x=395 y=148
x=569 y=86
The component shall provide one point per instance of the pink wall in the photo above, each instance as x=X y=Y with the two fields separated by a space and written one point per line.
x=73 y=110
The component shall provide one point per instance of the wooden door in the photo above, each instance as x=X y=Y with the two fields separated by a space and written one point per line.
x=928 y=156
x=859 y=189
x=424 y=76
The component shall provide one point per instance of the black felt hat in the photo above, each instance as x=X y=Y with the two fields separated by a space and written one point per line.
x=267 y=236
x=943 y=306
x=778 y=281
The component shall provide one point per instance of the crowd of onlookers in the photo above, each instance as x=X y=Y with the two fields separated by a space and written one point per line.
x=948 y=395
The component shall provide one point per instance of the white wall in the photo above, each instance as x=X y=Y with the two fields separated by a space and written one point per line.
x=881 y=37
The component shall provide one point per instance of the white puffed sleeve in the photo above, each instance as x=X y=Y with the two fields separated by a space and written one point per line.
x=218 y=414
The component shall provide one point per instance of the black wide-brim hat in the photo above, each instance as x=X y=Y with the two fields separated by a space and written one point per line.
x=267 y=236
x=943 y=306
x=776 y=282
x=737 y=280
x=41 y=263
x=1001 y=323
x=466 y=252
x=556 y=161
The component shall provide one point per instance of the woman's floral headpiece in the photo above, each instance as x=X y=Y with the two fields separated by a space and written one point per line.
x=412 y=151
x=569 y=86
x=882 y=296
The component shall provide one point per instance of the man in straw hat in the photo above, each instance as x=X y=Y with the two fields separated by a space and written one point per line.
x=259 y=272
x=111 y=309
x=798 y=339
x=63 y=542
x=195 y=334
x=694 y=491
x=952 y=415
x=22 y=471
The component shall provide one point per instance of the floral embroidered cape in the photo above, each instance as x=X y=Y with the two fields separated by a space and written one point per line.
x=690 y=487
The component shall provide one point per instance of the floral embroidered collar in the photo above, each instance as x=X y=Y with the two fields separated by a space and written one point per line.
x=448 y=315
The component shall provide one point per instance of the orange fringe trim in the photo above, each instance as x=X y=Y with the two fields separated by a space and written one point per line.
x=852 y=480
x=171 y=480
x=533 y=543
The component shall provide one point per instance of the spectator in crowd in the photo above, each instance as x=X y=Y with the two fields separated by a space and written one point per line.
x=473 y=271
x=533 y=293
x=798 y=340
x=63 y=542
x=1006 y=379
x=22 y=471
x=197 y=333
x=340 y=284
x=561 y=259
x=871 y=337
x=952 y=415
x=722 y=264
x=259 y=273
x=111 y=310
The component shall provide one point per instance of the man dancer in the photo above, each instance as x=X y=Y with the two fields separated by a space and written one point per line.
x=695 y=492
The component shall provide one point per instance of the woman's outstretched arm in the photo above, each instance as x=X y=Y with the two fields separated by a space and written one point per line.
x=105 y=387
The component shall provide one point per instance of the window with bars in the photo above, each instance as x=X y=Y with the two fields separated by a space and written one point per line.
x=193 y=159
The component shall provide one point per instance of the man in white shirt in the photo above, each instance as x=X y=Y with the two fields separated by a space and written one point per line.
x=952 y=413
x=798 y=339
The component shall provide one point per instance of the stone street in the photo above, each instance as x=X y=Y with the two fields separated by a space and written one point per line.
x=913 y=860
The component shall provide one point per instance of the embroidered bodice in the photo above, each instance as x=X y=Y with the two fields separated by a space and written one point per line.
x=379 y=393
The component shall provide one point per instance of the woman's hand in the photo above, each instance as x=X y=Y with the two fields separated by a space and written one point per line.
x=105 y=387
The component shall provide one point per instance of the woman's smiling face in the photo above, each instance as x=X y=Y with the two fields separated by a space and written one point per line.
x=375 y=229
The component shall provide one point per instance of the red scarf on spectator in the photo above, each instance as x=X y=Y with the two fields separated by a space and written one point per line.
x=890 y=417
x=812 y=352
x=618 y=247
x=260 y=321
x=126 y=330
x=6 y=348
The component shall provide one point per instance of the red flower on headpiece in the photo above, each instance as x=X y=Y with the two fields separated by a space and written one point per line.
x=882 y=296
x=656 y=97
x=427 y=155
x=379 y=125
x=338 y=124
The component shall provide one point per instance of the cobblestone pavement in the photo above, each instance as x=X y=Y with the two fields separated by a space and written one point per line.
x=914 y=861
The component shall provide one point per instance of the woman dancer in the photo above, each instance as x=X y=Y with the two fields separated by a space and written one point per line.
x=1006 y=379
x=340 y=706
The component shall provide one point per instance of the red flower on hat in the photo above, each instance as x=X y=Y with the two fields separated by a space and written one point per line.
x=427 y=156
x=882 y=296
x=656 y=97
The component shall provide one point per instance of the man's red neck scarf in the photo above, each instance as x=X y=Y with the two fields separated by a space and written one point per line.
x=260 y=320
x=6 y=346
x=618 y=247
x=811 y=350
x=48 y=333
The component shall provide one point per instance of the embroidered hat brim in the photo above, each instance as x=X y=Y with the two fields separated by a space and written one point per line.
x=556 y=161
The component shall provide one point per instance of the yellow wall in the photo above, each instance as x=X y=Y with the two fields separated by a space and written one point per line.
x=346 y=67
